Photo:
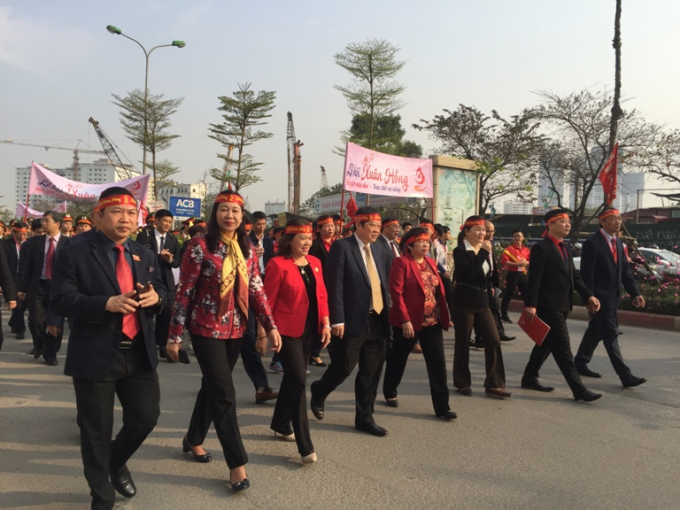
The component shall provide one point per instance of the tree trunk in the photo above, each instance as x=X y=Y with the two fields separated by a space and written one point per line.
x=616 y=107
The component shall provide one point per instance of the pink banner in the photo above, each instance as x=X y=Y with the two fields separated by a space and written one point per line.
x=32 y=213
x=375 y=173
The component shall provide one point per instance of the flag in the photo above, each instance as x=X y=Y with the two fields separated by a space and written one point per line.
x=608 y=176
x=351 y=207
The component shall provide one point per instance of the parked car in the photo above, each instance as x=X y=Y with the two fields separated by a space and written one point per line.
x=664 y=263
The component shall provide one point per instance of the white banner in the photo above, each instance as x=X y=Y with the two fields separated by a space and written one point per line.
x=26 y=212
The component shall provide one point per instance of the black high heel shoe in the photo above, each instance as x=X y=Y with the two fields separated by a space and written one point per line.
x=240 y=486
x=186 y=448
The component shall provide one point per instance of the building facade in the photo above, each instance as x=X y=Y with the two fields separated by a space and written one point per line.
x=275 y=207
x=197 y=190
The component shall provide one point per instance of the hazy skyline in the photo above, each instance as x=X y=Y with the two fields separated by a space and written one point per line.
x=59 y=66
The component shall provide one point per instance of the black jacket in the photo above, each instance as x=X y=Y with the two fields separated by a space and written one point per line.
x=7 y=276
x=552 y=282
x=84 y=280
x=9 y=246
x=471 y=287
x=31 y=263
x=318 y=250
x=604 y=277
x=147 y=238
x=267 y=244
x=349 y=287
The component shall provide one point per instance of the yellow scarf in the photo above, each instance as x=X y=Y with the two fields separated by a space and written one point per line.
x=234 y=275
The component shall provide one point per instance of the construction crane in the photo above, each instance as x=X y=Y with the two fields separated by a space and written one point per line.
x=122 y=171
x=294 y=167
x=324 y=179
x=76 y=160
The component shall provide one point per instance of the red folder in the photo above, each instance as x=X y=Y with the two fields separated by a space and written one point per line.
x=536 y=329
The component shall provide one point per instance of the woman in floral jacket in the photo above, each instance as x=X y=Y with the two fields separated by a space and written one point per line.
x=219 y=280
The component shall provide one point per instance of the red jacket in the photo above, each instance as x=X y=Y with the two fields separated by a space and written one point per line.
x=287 y=294
x=408 y=293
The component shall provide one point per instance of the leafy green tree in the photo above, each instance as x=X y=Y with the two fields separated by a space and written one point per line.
x=388 y=136
x=155 y=137
x=372 y=92
x=242 y=112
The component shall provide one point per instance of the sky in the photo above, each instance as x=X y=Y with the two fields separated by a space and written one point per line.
x=59 y=66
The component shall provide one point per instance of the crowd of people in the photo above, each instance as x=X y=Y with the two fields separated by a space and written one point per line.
x=369 y=292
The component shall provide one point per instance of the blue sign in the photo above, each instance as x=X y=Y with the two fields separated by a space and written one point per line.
x=184 y=207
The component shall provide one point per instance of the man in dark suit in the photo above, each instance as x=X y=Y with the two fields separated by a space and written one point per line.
x=110 y=287
x=12 y=248
x=356 y=276
x=35 y=281
x=550 y=294
x=388 y=237
x=324 y=238
x=161 y=241
x=604 y=269
x=8 y=291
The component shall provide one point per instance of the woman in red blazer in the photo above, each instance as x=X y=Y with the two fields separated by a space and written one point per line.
x=419 y=313
x=294 y=286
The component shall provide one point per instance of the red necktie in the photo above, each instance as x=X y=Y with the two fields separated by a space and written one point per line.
x=614 y=251
x=49 y=259
x=131 y=323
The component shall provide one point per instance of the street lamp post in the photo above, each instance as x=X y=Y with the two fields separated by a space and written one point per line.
x=178 y=44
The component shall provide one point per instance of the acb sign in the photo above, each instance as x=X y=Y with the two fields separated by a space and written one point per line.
x=184 y=207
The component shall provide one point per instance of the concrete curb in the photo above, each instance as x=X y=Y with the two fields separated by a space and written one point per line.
x=626 y=317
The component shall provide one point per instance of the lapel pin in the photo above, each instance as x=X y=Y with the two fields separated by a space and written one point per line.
x=316 y=269
x=136 y=258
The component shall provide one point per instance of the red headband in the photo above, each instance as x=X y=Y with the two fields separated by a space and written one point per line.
x=337 y=222
x=230 y=197
x=419 y=237
x=556 y=218
x=21 y=230
x=367 y=217
x=298 y=229
x=425 y=224
x=326 y=221
x=391 y=222
x=116 y=200
x=608 y=213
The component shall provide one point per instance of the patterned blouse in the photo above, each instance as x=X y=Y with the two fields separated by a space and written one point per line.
x=197 y=296
x=431 y=284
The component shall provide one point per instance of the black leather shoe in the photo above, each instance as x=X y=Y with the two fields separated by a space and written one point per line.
x=186 y=448
x=507 y=319
x=448 y=415
x=240 y=486
x=392 y=402
x=315 y=363
x=36 y=352
x=122 y=482
x=20 y=336
x=585 y=371
x=588 y=396
x=467 y=391
x=51 y=362
x=317 y=407
x=536 y=386
x=633 y=381
x=506 y=338
x=372 y=428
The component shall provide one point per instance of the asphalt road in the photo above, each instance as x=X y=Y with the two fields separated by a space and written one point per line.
x=533 y=451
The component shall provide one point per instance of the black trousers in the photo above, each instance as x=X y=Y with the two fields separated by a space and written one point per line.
x=513 y=280
x=557 y=343
x=431 y=341
x=216 y=400
x=603 y=326
x=163 y=324
x=16 y=321
x=136 y=384
x=252 y=360
x=291 y=405
x=464 y=319
x=366 y=350
x=37 y=314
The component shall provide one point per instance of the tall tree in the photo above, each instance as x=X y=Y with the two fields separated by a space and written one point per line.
x=372 y=91
x=155 y=114
x=580 y=128
x=617 y=112
x=505 y=150
x=242 y=112
x=388 y=136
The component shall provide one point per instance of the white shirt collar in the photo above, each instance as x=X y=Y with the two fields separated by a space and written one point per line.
x=607 y=236
x=360 y=242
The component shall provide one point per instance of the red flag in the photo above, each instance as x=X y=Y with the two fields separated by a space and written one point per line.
x=351 y=207
x=608 y=175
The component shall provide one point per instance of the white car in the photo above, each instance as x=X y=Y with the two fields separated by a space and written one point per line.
x=661 y=262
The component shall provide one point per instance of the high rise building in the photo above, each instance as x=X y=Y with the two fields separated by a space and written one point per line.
x=274 y=207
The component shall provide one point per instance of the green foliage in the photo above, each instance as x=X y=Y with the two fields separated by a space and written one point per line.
x=242 y=112
x=387 y=136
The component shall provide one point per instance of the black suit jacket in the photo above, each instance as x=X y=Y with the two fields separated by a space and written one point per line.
x=349 y=288
x=31 y=263
x=552 y=282
x=84 y=280
x=602 y=275
x=7 y=276
x=382 y=242
x=9 y=246
x=318 y=250
x=148 y=238
x=471 y=282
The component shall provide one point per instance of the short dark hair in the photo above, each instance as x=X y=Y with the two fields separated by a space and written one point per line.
x=197 y=229
x=259 y=215
x=386 y=220
x=517 y=231
x=19 y=224
x=36 y=224
x=162 y=213
x=367 y=209
x=56 y=217
x=406 y=224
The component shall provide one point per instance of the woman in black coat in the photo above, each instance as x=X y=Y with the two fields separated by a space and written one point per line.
x=470 y=307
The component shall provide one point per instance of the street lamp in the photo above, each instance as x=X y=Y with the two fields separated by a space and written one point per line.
x=178 y=44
